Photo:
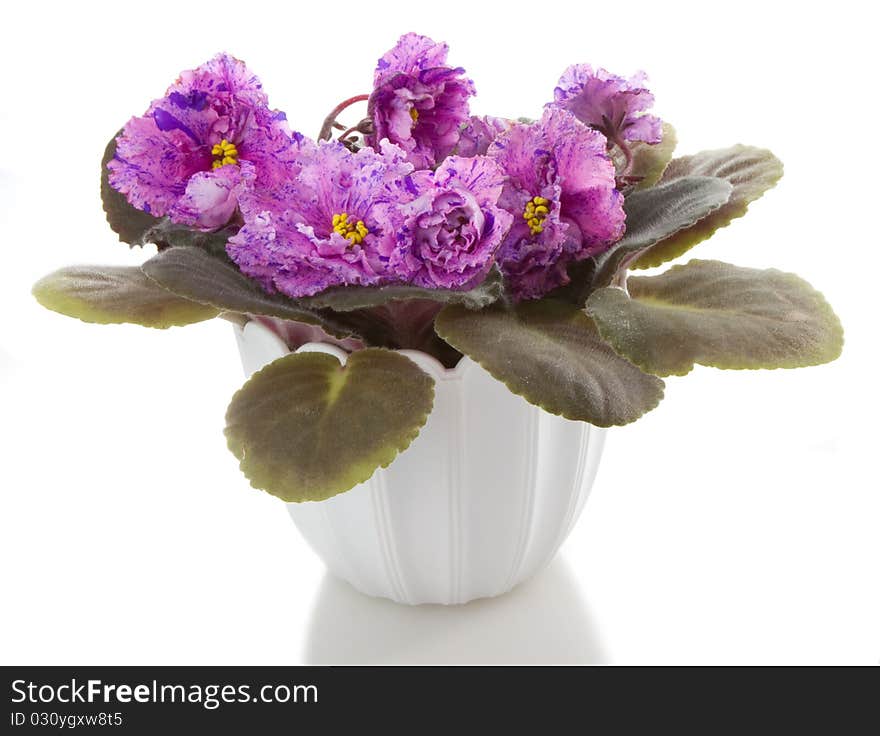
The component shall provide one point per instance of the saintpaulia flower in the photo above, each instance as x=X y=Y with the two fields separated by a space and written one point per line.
x=612 y=105
x=418 y=101
x=189 y=155
x=560 y=190
x=329 y=222
x=478 y=133
x=453 y=226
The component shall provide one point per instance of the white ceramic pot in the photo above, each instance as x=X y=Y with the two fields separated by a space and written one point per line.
x=478 y=503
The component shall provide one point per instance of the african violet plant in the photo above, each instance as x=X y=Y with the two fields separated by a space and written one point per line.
x=424 y=227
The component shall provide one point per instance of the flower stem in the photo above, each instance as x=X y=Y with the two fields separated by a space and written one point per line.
x=329 y=121
x=352 y=129
x=619 y=279
x=627 y=152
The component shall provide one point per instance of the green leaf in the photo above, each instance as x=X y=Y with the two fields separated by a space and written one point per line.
x=656 y=213
x=305 y=428
x=195 y=274
x=167 y=234
x=349 y=298
x=116 y=294
x=650 y=161
x=751 y=171
x=719 y=315
x=550 y=353
x=129 y=223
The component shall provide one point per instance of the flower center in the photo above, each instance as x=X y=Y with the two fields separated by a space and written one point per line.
x=414 y=114
x=353 y=231
x=224 y=153
x=535 y=213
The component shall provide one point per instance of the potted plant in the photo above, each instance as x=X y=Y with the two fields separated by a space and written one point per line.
x=435 y=309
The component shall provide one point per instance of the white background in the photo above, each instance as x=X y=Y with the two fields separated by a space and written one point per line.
x=737 y=523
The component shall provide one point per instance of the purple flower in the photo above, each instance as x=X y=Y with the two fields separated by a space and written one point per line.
x=194 y=149
x=453 y=226
x=612 y=105
x=329 y=222
x=418 y=102
x=478 y=133
x=560 y=191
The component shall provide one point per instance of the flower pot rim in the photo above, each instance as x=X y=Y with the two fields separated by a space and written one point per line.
x=426 y=362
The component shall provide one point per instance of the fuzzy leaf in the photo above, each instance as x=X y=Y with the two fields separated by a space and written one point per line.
x=114 y=295
x=305 y=428
x=349 y=298
x=167 y=234
x=751 y=171
x=550 y=353
x=719 y=315
x=195 y=274
x=656 y=213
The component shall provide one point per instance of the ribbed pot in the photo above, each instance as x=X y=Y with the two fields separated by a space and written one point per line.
x=479 y=502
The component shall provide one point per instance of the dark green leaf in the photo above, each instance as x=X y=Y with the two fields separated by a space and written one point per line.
x=167 y=234
x=657 y=213
x=197 y=275
x=349 y=298
x=305 y=428
x=751 y=171
x=551 y=354
x=116 y=294
x=719 y=315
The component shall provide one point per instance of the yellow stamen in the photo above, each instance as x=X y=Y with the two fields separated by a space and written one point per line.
x=355 y=232
x=224 y=153
x=414 y=114
x=535 y=213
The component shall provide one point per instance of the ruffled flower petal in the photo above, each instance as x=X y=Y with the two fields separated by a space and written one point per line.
x=289 y=241
x=412 y=55
x=418 y=102
x=454 y=226
x=478 y=133
x=210 y=198
x=165 y=160
x=588 y=196
x=561 y=193
x=612 y=105
x=151 y=167
x=224 y=80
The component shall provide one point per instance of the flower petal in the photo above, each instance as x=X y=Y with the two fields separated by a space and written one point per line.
x=210 y=198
